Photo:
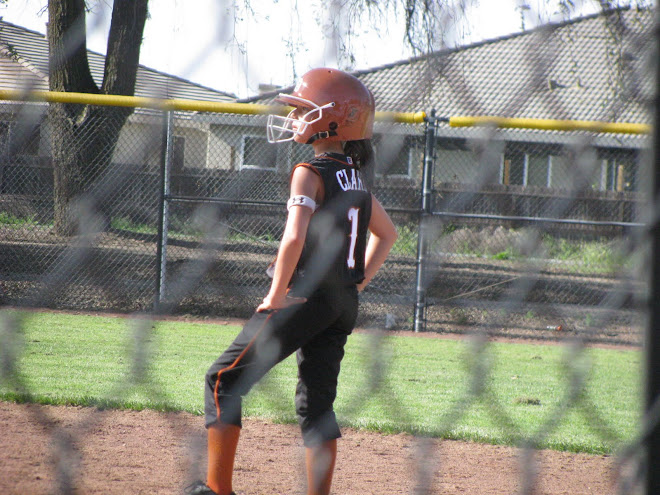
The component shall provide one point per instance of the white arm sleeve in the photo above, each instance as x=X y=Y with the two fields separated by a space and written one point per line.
x=301 y=200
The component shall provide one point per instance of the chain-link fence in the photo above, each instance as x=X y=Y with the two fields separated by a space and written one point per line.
x=246 y=191
x=503 y=232
x=552 y=216
x=217 y=169
x=549 y=225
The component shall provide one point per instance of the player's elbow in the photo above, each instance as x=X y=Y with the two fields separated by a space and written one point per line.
x=386 y=231
x=390 y=235
x=394 y=234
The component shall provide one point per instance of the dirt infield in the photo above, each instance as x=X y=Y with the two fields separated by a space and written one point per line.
x=121 y=452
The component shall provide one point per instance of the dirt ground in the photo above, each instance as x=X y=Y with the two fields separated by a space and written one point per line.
x=121 y=452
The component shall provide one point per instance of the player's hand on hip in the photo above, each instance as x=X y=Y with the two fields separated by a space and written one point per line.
x=271 y=303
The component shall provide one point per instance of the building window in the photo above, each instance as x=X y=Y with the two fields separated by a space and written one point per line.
x=257 y=152
x=24 y=139
x=393 y=156
x=31 y=138
x=526 y=169
x=615 y=170
x=513 y=168
x=4 y=138
x=21 y=140
x=537 y=170
x=560 y=172
x=178 y=153
x=617 y=174
x=456 y=165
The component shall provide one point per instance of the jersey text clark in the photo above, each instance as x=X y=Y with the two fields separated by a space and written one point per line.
x=350 y=180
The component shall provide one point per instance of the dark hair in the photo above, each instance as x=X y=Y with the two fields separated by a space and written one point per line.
x=362 y=153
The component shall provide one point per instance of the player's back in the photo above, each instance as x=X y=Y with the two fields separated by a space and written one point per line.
x=336 y=239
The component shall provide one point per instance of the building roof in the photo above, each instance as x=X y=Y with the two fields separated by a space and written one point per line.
x=24 y=64
x=591 y=68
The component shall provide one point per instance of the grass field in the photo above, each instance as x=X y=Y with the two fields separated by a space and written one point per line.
x=502 y=393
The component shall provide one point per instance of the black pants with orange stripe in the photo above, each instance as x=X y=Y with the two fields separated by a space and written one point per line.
x=317 y=331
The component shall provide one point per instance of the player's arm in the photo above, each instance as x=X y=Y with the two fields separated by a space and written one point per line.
x=304 y=182
x=383 y=236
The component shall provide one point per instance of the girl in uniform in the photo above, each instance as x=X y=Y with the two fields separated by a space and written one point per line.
x=323 y=261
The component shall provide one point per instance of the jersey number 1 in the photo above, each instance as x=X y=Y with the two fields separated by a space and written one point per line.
x=353 y=218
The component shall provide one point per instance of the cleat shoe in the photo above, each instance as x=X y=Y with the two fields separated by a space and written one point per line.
x=200 y=488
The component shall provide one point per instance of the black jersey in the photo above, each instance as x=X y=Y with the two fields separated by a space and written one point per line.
x=334 y=249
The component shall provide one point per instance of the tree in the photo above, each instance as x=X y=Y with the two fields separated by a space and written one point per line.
x=84 y=136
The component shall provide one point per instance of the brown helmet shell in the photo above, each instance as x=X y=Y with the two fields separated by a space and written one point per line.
x=352 y=116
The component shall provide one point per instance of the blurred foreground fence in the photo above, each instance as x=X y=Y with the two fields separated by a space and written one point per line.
x=509 y=228
x=525 y=233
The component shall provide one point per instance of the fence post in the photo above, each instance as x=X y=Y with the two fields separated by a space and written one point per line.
x=425 y=215
x=652 y=451
x=163 y=211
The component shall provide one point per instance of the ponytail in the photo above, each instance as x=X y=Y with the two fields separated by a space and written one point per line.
x=362 y=153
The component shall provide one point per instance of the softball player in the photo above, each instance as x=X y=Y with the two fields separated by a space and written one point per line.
x=323 y=261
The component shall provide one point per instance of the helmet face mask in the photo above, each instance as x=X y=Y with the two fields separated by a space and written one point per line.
x=281 y=129
x=328 y=104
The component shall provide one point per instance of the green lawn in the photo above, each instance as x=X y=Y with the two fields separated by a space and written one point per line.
x=499 y=393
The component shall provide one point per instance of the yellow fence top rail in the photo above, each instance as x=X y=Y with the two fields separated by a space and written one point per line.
x=134 y=101
x=551 y=125
x=255 y=109
x=401 y=117
x=178 y=104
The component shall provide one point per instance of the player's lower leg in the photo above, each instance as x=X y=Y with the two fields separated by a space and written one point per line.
x=320 y=463
x=222 y=443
